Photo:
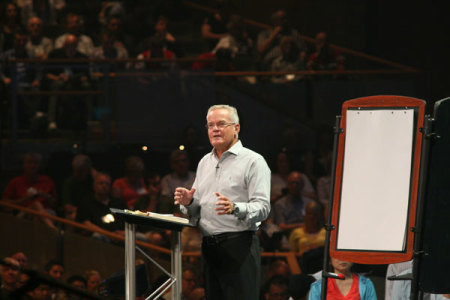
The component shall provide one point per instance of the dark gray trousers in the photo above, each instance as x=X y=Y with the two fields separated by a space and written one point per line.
x=232 y=266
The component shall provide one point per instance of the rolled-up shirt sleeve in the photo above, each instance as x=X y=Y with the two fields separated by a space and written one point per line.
x=257 y=208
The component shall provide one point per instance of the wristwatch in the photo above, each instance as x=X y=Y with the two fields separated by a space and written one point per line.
x=235 y=210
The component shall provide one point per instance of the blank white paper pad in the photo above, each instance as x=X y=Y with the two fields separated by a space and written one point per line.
x=376 y=180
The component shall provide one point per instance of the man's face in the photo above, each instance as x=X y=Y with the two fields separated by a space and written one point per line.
x=188 y=282
x=79 y=284
x=11 y=11
x=21 y=258
x=277 y=292
x=221 y=132
x=41 y=292
x=10 y=273
x=35 y=26
x=31 y=165
x=56 y=271
x=19 y=42
x=161 y=26
x=93 y=282
x=113 y=25
x=102 y=185
x=295 y=183
x=73 y=24
x=281 y=18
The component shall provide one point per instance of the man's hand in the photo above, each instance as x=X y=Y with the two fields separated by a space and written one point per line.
x=224 y=206
x=183 y=196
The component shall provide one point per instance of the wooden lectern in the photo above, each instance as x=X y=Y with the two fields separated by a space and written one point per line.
x=131 y=220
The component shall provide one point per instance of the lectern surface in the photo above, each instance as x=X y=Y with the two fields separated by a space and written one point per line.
x=149 y=220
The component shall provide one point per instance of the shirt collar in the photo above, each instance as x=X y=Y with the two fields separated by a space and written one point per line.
x=235 y=149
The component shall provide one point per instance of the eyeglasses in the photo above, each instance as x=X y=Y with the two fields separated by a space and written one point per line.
x=220 y=125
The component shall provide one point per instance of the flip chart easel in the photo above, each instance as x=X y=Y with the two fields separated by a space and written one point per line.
x=375 y=181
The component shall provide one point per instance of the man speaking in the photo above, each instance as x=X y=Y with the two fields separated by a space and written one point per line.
x=230 y=197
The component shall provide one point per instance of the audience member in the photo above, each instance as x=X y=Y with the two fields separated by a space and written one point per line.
x=26 y=75
x=188 y=283
x=152 y=200
x=181 y=175
x=161 y=33
x=95 y=210
x=9 y=273
x=114 y=27
x=268 y=42
x=322 y=57
x=109 y=49
x=279 y=180
x=289 y=60
x=73 y=76
x=78 y=186
x=77 y=281
x=354 y=286
x=312 y=234
x=38 y=46
x=278 y=267
x=9 y=23
x=42 y=292
x=237 y=43
x=32 y=189
x=93 y=280
x=132 y=185
x=21 y=258
x=286 y=214
x=54 y=269
x=277 y=289
x=155 y=49
x=84 y=43
x=215 y=27
x=289 y=211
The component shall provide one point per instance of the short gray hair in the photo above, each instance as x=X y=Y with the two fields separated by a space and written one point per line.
x=231 y=109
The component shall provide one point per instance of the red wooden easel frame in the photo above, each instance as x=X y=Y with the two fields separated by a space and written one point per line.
x=379 y=102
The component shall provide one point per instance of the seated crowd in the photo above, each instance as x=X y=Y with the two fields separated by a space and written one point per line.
x=55 y=32
x=295 y=223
